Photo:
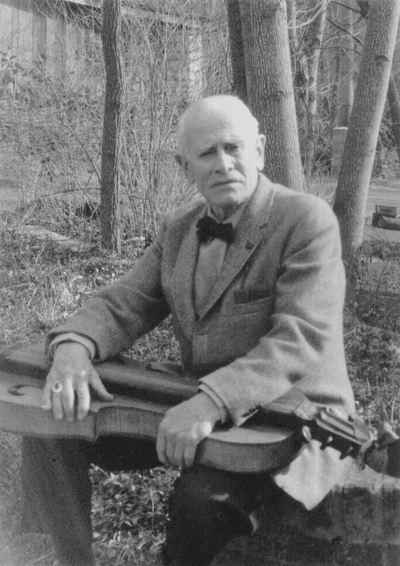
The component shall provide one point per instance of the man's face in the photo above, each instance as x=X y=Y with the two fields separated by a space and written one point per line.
x=223 y=157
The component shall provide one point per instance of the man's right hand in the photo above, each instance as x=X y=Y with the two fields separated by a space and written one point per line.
x=67 y=391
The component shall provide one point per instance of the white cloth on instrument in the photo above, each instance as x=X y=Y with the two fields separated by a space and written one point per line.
x=312 y=474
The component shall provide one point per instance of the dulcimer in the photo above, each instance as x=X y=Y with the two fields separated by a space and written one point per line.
x=268 y=441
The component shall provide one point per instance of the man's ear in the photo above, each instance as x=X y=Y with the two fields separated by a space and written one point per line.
x=184 y=165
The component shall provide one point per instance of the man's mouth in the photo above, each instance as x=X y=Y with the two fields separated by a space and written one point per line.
x=223 y=183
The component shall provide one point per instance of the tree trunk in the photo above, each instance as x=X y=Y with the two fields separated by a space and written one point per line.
x=345 y=92
x=110 y=169
x=313 y=42
x=299 y=74
x=291 y=8
x=236 y=48
x=392 y=95
x=394 y=106
x=270 y=88
x=369 y=103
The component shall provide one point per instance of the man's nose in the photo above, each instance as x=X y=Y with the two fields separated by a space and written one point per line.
x=224 y=162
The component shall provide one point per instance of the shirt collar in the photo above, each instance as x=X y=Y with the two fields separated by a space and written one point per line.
x=233 y=218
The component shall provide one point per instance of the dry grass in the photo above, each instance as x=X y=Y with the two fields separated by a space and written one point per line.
x=41 y=284
x=373 y=333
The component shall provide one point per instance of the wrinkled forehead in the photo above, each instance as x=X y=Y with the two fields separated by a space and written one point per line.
x=208 y=127
x=204 y=139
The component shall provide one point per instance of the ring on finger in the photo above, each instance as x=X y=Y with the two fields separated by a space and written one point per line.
x=56 y=388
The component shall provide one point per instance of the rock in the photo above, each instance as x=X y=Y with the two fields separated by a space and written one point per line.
x=44 y=234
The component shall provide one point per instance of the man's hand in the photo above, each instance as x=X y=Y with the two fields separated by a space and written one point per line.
x=183 y=427
x=67 y=384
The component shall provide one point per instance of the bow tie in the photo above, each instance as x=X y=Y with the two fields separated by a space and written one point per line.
x=208 y=228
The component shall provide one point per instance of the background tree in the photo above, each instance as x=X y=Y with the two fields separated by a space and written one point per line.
x=394 y=107
x=312 y=48
x=369 y=102
x=236 y=49
x=306 y=21
x=270 y=89
x=110 y=168
x=393 y=95
x=346 y=40
x=345 y=94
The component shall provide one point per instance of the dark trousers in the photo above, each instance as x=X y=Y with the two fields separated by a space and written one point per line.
x=207 y=507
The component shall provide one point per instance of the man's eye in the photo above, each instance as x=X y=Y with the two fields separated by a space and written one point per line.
x=232 y=148
x=207 y=153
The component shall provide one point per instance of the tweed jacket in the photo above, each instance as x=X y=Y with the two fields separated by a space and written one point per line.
x=272 y=321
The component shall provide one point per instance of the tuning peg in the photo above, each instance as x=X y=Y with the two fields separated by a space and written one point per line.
x=327 y=442
x=348 y=452
x=306 y=433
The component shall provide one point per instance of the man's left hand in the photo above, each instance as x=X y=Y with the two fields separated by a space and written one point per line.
x=183 y=427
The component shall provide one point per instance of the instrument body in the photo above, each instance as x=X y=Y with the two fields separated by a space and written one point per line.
x=268 y=441
x=137 y=412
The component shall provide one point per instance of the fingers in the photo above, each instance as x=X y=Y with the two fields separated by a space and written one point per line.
x=161 y=447
x=183 y=427
x=83 y=394
x=46 y=397
x=62 y=400
x=185 y=452
x=179 y=448
x=67 y=391
x=56 y=401
x=98 y=386
x=175 y=451
x=67 y=400
x=181 y=455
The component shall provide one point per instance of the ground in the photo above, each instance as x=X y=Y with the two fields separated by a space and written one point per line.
x=41 y=283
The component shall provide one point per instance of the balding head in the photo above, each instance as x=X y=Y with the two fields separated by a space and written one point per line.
x=209 y=111
x=221 y=151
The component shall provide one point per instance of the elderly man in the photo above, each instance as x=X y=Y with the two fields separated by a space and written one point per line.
x=253 y=278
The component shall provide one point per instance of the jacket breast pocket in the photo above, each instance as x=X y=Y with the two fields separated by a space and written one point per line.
x=247 y=323
x=252 y=302
x=242 y=296
x=236 y=331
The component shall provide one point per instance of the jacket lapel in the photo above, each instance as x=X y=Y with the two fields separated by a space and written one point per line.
x=183 y=283
x=249 y=233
